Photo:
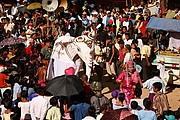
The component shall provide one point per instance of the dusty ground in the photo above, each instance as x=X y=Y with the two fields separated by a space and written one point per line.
x=173 y=94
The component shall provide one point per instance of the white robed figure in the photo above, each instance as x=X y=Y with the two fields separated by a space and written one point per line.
x=70 y=52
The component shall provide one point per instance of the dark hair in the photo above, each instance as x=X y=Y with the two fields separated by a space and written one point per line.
x=8 y=103
x=140 y=10
x=147 y=103
x=138 y=92
x=135 y=41
x=14 y=116
x=145 y=41
x=157 y=85
x=128 y=47
x=134 y=105
x=124 y=27
x=24 y=94
x=133 y=16
x=121 y=42
x=33 y=57
x=127 y=34
x=108 y=37
x=8 y=19
x=104 y=107
x=39 y=90
x=119 y=36
x=7 y=94
x=156 y=72
x=121 y=97
x=91 y=111
x=53 y=101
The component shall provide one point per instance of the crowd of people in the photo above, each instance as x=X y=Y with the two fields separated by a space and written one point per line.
x=124 y=48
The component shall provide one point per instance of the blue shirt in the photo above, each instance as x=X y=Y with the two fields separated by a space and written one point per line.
x=80 y=110
x=146 y=115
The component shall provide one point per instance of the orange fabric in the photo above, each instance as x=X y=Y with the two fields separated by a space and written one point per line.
x=3 y=77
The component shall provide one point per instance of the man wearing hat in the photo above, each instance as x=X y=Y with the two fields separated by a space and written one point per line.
x=98 y=99
x=161 y=68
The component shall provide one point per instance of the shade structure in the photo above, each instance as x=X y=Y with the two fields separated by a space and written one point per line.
x=34 y=6
x=65 y=85
x=166 y=24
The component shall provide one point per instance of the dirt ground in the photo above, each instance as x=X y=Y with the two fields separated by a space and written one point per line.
x=173 y=94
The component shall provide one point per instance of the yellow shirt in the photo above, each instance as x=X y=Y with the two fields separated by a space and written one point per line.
x=53 y=114
x=145 y=50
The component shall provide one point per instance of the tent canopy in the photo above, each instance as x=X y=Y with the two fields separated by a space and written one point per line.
x=164 y=24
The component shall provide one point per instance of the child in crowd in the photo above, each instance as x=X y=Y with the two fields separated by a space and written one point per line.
x=134 y=107
x=103 y=109
x=53 y=113
x=90 y=114
x=160 y=101
x=114 y=97
x=120 y=102
x=138 y=99
x=24 y=104
x=149 y=84
x=146 y=114
x=7 y=113
x=122 y=53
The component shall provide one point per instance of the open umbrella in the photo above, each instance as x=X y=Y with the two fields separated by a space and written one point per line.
x=65 y=85
x=34 y=6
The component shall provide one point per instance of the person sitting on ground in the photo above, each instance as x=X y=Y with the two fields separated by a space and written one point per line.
x=53 y=113
x=114 y=100
x=146 y=114
x=160 y=101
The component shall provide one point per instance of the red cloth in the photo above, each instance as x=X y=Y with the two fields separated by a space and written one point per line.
x=3 y=77
x=122 y=54
x=143 y=28
x=28 y=50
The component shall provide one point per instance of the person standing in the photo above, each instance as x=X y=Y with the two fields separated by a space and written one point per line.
x=110 y=52
x=149 y=85
x=147 y=113
x=53 y=113
x=99 y=64
x=145 y=54
x=38 y=106
x=160 y=101
x=46 y=51
x=128 y=80
x=24 y=104
x=98 y=99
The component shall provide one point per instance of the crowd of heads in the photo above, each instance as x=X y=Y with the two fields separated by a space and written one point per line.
x=27 y=38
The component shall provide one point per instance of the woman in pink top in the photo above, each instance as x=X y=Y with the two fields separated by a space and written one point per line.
x=128 y=80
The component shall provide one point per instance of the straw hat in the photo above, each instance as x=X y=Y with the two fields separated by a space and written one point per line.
x=161 y=59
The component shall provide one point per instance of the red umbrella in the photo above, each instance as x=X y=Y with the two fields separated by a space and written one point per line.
x=120 y=114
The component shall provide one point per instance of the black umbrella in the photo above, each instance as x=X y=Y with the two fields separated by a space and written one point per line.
x=65 y=85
